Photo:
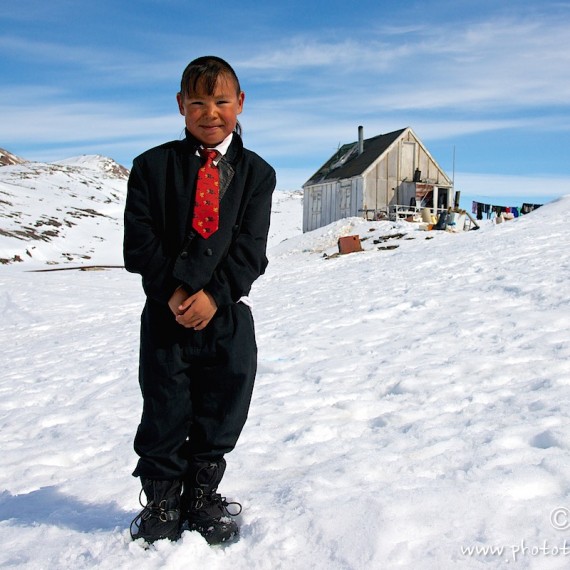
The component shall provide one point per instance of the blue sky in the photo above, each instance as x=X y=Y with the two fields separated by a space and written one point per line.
x=485 y=80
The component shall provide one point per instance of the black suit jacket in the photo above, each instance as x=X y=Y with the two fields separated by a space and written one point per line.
x=159 y=242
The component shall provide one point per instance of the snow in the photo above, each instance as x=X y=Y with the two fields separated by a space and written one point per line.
x=61 y=212
x=410 y=403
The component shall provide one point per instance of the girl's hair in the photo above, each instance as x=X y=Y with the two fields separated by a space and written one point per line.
x=203 y=72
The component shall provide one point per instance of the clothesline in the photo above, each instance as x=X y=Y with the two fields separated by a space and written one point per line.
x=491 y=210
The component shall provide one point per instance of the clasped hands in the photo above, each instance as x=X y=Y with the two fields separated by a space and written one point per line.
x=192 y=311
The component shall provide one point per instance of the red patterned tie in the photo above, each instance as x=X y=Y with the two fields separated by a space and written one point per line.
x=207 y=200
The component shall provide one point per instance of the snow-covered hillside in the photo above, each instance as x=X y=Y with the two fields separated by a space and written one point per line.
x=68 y=211
x=412 y=406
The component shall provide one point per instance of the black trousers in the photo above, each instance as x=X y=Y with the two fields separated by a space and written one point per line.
x=196 y=388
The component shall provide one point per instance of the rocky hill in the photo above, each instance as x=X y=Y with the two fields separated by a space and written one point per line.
x=7 y=158
x=61 y=212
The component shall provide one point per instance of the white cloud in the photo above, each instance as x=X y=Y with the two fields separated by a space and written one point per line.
x=340 y=56
x=511 y=63
x=57 y=123
x=100 y=66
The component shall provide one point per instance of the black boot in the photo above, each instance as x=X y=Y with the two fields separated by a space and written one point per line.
x=205 y=510
x=160 y=517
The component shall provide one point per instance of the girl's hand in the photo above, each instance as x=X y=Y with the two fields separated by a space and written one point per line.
x=196 y=311
x=176 y=300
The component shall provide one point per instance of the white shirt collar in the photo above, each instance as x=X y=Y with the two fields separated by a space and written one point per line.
x=222 y=148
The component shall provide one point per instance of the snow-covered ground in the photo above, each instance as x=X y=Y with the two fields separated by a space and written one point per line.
x=411 y=404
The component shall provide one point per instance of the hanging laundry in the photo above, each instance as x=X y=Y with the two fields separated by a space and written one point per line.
x=527 y=208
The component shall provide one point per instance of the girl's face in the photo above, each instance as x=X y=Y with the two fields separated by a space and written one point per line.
x=211 y=118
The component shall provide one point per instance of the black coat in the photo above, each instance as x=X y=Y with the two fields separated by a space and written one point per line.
x=159 y=242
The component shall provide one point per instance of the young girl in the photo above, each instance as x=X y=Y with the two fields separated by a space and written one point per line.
x=196 y=231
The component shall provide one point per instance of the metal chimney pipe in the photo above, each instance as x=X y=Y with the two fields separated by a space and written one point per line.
x=360 y=140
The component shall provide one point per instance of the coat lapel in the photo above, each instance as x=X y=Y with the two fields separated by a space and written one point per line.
x=188 y=166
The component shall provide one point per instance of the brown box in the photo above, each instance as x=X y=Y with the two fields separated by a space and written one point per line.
x=349 y=244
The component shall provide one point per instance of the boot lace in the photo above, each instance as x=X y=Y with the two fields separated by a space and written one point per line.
x=152 y=510
x=206 y=496
x=213 y=498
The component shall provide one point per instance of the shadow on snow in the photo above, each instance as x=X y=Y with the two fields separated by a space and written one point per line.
x=48 y=505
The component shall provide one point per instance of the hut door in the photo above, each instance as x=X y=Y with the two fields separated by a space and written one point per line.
x=316 y=208
x=344 y=200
